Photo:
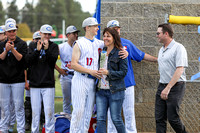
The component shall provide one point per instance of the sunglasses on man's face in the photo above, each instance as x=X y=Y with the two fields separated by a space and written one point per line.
x=11 y=31
x=158 y=33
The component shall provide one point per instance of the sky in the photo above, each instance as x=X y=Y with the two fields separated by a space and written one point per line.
x=87 y=5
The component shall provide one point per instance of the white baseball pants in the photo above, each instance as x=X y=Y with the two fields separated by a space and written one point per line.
x=65 y=82
x=47 y=95
x=83 y=97
x=16 y=91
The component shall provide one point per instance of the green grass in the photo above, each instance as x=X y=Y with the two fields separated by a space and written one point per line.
x=58 y=96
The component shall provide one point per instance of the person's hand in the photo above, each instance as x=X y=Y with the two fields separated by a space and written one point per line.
x=46 y=44
x=69 y=65
x=123 y=53
x=164 y=94
x=12 y=45
x=95 y=74
x=39 y=45
x=103 y=71
x=8 y=46
x=63 y=72
x=27 y=86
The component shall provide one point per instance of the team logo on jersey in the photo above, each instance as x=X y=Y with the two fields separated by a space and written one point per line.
x=9 y=52
x=99 y=50
x=125 y=47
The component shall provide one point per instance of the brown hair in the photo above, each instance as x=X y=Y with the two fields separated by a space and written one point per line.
x=167 y=28
x=115 y=35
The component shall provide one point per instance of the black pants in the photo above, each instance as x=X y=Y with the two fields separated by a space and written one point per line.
x=169 y=109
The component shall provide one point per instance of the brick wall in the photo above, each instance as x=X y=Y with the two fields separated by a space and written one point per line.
x=139 y=20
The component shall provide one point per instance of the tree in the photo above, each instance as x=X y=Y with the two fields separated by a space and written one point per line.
x=75 y=14
x=2 y=14
x=28 y=16
x=43 y=13
x=23 y=31
x=13 y=11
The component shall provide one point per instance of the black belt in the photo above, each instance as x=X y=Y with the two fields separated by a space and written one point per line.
x=177 y=83
x=71 y=73
x=88 y=75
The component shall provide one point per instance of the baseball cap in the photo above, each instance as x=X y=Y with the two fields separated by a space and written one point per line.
x=10 y=26
x=36 y=35
x=46 y=29
x=71 y=29
x=90 y=22
x=10 y=20
x=113 y=23
x=2 y=28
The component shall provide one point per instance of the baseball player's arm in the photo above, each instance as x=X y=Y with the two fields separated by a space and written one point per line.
x=148 y=57
x=61 y=71
x=76 y=66
x=26 y=82
x=17 y=55
x=3 y=54
x=21 y=52
x=175 y=78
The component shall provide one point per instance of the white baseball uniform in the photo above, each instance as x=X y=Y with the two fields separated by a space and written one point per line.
x=65 y=56
x=83 y=90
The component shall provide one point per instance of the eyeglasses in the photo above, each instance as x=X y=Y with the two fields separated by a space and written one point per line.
x=158 y=33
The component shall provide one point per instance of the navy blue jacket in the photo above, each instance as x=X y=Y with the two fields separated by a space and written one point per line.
x=12 y=70
x=117 y=68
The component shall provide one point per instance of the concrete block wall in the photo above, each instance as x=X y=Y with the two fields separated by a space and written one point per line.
x=139 y=20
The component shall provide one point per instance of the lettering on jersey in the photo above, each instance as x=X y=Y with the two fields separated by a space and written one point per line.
x=42 y=52
x=9 y=52
x=125 y=47
x=89 y=61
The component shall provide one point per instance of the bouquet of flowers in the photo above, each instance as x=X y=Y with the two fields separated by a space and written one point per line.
x=102 y=62
x=102 y=58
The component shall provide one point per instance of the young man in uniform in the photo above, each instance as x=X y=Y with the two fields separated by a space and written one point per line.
x=172 y=61
x=12 y=81
x=65 y=51
x=85 y=57
x=129 y=101
x=27 y=103
x=42 y=58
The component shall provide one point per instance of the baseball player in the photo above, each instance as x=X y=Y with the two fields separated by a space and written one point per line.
x=65 y=51
x=129 y=101
x=27 y=103
x=12 y=80
x=85 y=57
x=3 y=37
x=42 y=58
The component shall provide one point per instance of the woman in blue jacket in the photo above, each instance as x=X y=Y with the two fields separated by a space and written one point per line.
x=111 y=86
